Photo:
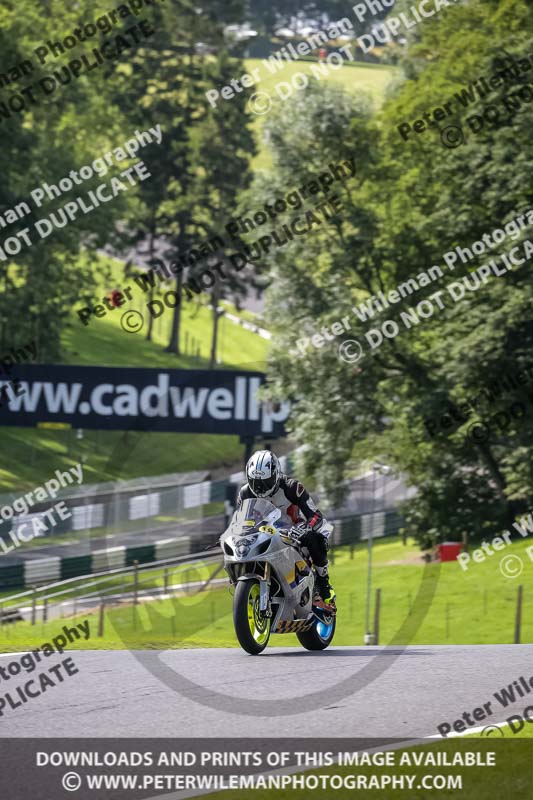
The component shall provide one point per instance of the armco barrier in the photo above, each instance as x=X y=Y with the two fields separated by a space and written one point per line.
x=143 y=554
x=42 y=570
x=11 y=576
x=171 y=548
x=113 y=558
x=116 y=505
x=72 y=566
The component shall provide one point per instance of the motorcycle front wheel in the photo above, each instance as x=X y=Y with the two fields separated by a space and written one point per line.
x=319 y=636
x=251 y=625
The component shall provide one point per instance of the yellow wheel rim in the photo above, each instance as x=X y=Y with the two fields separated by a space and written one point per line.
x=259 y=624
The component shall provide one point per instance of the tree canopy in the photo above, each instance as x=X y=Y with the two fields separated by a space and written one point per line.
x=409 y=204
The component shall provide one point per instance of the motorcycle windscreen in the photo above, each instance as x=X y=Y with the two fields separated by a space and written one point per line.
x=253 y=514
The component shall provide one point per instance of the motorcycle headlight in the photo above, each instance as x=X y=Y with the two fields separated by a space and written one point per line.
x=243 y=544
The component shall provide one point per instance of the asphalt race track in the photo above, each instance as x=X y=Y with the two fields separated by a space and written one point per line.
x=349 y=691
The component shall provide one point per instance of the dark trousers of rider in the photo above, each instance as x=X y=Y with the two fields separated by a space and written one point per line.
x=318 y=548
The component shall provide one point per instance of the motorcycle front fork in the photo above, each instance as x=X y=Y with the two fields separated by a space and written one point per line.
x=264 y=593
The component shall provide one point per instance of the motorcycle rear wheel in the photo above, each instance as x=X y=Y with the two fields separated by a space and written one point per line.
x=319 y=636
x=251 y=626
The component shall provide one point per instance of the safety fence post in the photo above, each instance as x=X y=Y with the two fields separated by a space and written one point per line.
x=377 y=610
x=518 y=618
x=135 y=582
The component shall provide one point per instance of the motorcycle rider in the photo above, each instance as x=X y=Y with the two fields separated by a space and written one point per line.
x=266 y=480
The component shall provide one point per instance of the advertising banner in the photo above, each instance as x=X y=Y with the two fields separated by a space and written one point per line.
x=132 y=398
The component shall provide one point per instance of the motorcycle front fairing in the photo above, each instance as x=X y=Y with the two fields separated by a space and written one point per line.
x=249 y=534
x=246 y=541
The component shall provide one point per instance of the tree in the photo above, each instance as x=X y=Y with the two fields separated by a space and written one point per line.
x=204 y=162
x=410 y=203
x=42 y=144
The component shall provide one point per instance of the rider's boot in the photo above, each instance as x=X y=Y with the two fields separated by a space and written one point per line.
x=324 y=596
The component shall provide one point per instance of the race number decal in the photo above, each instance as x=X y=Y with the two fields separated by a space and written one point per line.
x=267 y=529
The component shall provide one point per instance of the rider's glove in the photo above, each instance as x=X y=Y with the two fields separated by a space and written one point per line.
x=298 y=531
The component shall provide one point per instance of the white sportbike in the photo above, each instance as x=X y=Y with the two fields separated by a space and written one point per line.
x=274 y=579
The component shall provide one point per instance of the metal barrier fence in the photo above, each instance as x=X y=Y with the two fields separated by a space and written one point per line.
x=126 y=584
